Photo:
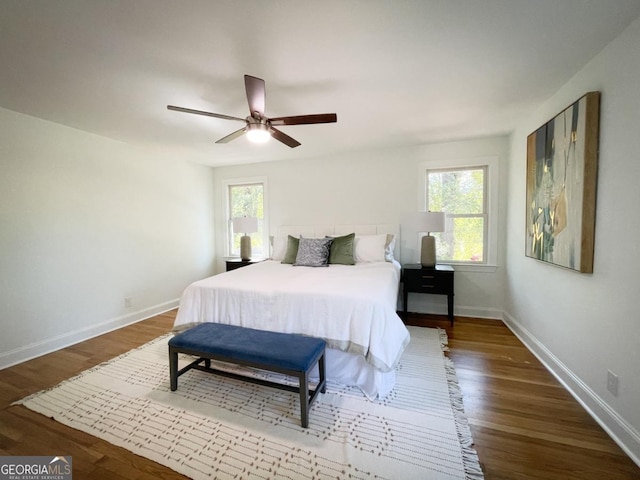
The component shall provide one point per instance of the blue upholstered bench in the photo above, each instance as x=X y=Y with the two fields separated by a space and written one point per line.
x=290 y=354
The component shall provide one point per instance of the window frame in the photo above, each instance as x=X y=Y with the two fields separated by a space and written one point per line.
x=490 y=166
x=228 y=235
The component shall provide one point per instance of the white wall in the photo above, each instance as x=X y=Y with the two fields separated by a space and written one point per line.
x=581 y=325
x=367 y=188
x=85 y=222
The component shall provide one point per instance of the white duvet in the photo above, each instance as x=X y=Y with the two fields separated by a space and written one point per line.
x=353 y=307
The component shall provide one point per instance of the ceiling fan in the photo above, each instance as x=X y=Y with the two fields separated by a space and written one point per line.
x=258 y=127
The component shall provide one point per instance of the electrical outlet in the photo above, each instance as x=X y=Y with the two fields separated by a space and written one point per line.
x=128 y=302
x=612 y=382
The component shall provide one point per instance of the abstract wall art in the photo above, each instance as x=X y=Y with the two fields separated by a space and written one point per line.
x=562 y=168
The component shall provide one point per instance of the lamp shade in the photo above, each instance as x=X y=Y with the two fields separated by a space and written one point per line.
x=245 y=225
x=431 y=222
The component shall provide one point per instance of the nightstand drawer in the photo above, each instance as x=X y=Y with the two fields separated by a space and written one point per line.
x=424 y=282
x=435 y=280
x=426 y=285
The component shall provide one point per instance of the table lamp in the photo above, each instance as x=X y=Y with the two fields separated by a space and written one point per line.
x=429 y=222
x=246 y=225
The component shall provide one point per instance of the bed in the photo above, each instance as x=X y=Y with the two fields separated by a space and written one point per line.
x=352 y=307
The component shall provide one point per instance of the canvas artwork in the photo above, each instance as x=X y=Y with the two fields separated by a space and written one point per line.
x=562 y=162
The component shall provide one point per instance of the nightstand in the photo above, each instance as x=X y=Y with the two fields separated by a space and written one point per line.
x=233 y=263
x=438 y=281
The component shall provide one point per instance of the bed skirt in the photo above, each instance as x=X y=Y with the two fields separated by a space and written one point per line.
x=352 y=370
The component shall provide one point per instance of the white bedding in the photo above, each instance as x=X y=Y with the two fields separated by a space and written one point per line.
x=353 y=307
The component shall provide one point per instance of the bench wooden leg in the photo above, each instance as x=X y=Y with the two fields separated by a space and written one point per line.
x=304 y=399
x=173 y=369
x=321 y=370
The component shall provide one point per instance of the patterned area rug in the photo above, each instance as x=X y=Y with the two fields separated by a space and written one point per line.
x=215 y=427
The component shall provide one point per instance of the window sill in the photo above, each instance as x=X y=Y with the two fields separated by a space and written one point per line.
x=466 y=267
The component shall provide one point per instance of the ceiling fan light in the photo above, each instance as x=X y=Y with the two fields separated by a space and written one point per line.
x=258 y=133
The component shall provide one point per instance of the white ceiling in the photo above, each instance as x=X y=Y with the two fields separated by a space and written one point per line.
x=395 y=72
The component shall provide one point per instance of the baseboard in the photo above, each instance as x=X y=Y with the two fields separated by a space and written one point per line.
x=37 y=349
x=437 y=305
x=624 y=434
x=473 y=312
x=478 y=312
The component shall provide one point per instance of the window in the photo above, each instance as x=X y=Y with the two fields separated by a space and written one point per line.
x=461 y=193
x=247 y=198
x=472 y=211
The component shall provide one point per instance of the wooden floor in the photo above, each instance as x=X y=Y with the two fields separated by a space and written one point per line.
x=525 y=425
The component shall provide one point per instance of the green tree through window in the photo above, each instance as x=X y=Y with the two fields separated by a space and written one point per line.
x=247 y=200
x=461 y=194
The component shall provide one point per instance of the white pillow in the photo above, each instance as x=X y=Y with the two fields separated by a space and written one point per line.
x=370 y=248
x=389 y=247
x=279 y=247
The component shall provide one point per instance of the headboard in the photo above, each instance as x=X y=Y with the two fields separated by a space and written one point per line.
x=318 y=231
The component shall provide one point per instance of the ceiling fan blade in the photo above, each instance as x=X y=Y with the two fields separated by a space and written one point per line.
x=256 y=94
x=200 y=112
x=305 y=119
x=232 y=136
x=284 y=138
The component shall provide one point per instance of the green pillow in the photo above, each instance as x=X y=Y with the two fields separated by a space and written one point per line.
x=292 y=250
x=342 y=250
